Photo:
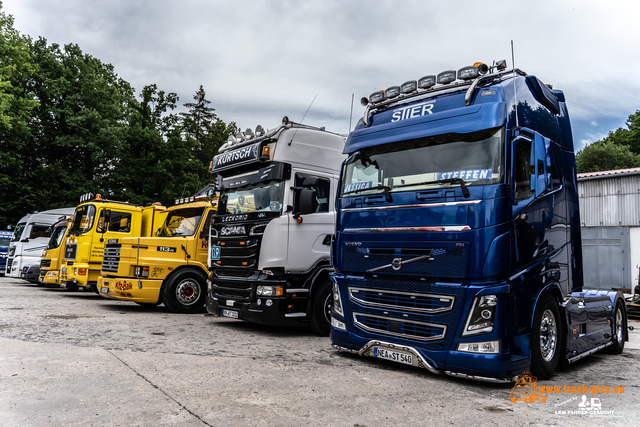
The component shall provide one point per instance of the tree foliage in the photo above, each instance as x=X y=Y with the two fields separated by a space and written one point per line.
x=618 y=150
x=70 y=125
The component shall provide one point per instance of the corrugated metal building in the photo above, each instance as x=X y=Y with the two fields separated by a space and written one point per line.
x=610 y=219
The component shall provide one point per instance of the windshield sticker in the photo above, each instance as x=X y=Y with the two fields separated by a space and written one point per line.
x=466 y=174
x=413 y=111
x=349 y=188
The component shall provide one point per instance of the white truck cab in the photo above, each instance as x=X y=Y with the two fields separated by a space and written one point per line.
x=271 y=239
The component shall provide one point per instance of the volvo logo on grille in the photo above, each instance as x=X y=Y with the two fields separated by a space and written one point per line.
x=233 y=231
x=396 y=264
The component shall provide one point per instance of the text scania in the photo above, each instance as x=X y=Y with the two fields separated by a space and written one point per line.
x=412 y=112
x=228 y=231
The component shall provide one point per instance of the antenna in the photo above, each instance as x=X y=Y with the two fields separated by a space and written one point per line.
x=351 y=113
x=515 y=98
x=183 y=188
x=305 y=115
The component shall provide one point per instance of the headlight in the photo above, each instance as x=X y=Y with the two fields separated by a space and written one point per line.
x=337 y=301
x=338 y=324
x=486 y=347
x=270 y=291
x=481 y=316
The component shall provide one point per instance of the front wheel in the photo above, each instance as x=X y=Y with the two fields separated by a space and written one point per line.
x=320 y=321
x=619 y=329
x=185 y=292
x=545 y=339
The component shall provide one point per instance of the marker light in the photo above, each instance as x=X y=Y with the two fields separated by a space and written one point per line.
x=392 y=92
x=426 y=82
x=446 y=77
x=468 y=73
x=259 y=131
x=98 y=196
x=376 y=96
x=266 y=153
x=408 y=87
x=177 y=201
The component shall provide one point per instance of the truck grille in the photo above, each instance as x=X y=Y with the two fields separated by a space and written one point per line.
x=9 y=262
x=428 y=262
x=12 y=251
x=45 y=263
x=111 y=258
x=400 y=327
x=234 y=284
x=421 y=303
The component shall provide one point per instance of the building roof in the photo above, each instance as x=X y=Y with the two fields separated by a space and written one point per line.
x=608 y=174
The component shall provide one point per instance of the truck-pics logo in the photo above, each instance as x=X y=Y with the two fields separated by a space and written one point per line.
x=526 y=390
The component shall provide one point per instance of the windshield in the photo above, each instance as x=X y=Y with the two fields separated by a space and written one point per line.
x=261 y=197
x=18 y=231
x=5 y=242
x=181 y=222
x=83 y=219
x=433 y=162
x=56 y=236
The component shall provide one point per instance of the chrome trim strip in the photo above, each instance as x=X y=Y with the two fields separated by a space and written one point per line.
x=292 y=290
x=588 y=352
x=408 y=229
x=478 y=378
x=417 y=310
x=395 y=334
x=418 y=205
x=420 y=361
x=295 y=315
x=401 y=262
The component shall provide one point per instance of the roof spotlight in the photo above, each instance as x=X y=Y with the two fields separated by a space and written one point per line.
x=259 y=131
x=240 y=137
x=392 y=92
x=426 y=82
x=501 y=65
x=446 y=77
x=468 y=73
x=364 y=101
x=482 y=68
x=285 y=120
x=231 y=139
x=249 y=133
x=408 y=87
x=376 y=96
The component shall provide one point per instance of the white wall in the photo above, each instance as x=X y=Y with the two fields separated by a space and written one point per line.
x=634 y=234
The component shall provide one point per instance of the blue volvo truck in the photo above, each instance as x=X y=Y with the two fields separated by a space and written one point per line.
x=457 y=245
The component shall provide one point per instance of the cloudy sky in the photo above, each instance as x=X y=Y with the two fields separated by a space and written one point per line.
x=259 y=60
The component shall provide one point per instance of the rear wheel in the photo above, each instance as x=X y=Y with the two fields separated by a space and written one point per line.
x=320 y=321
x=546 y=338
x=185 y=292
x=619 y=329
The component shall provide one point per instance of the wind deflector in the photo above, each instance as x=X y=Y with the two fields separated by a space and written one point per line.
x=544 y=94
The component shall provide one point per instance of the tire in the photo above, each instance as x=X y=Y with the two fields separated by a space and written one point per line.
x=619 y=329
x=546 y=339
x=147 y=304
x=320 y=321
x=185 y=292
x=94 y=287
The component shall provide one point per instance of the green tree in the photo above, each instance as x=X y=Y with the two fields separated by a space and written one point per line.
x=605 y=155
x=16 y=103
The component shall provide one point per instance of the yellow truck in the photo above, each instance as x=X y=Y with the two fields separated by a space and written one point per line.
x=97 y=222
x=51 y=260
x=170 y=268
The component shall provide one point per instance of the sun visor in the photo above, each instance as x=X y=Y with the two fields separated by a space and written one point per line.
x=458 y=120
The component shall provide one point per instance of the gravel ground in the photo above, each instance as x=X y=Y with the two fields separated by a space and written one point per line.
x=79 y=359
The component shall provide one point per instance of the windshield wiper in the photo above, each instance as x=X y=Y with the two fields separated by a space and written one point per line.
x=465 y=191
x=387 y=191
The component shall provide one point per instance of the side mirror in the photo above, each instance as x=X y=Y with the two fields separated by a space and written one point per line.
x=308 y=201
x=540 y=161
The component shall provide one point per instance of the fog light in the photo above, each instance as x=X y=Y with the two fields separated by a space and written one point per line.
x=338 y=324
x=486 y=347
x=259 y=302
x=269 y=303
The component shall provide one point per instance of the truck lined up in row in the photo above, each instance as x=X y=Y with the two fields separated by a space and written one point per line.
x=442 y=233
x=270 y=241
x=30 y=238
x=168 y=267
x=457 y=243
x=97 y=222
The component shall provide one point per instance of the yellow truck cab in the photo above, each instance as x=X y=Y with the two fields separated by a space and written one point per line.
x=52 y=256
x=95 y=223
x=170 y=268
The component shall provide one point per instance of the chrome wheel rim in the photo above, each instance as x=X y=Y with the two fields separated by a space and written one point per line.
x=187 y=292
x=548 y=335
x=619 y=330
x=327 y=308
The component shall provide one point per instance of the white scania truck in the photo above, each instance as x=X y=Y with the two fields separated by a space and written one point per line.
x=271 y=238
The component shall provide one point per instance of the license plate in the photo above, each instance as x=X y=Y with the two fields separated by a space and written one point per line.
x=104 y=290
x=394 y=356
x=215 y=253
x=230 y=313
